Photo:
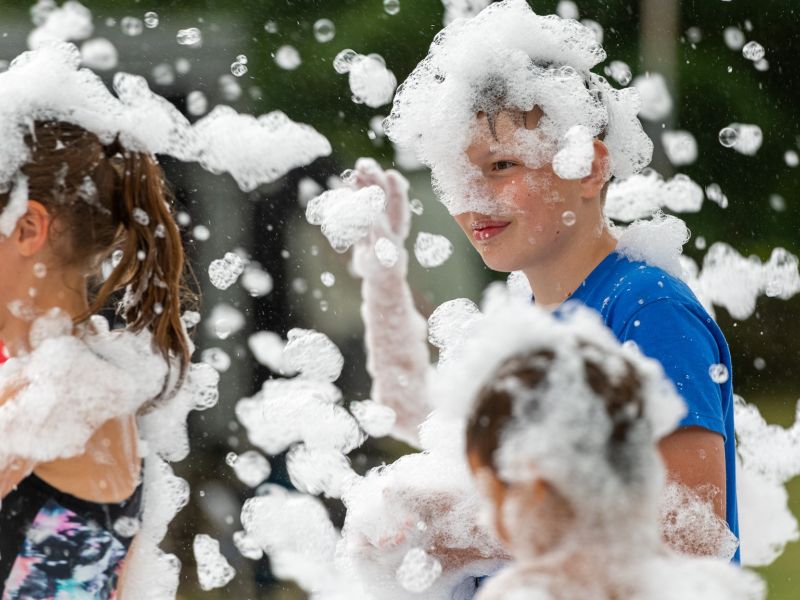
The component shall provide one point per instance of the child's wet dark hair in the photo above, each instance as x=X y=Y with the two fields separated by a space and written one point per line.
x=495 y=411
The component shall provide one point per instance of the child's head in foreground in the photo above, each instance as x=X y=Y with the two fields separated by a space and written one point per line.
x=520 y=135
x=562 y=440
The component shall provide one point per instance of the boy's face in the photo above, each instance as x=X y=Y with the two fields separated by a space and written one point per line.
x=538 y=213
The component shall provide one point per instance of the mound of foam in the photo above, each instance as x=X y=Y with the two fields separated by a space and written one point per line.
x=507 y=57
x=48 y=84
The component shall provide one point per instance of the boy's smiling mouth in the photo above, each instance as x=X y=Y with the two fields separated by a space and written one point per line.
x=486 y=229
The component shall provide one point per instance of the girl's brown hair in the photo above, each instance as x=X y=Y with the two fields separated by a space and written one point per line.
x=110 y=203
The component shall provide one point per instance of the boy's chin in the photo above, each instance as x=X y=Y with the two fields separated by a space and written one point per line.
x=499 y=263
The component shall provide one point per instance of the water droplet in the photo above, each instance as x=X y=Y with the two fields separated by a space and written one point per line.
x=791 y=158
x=759 y=363
x=569 y=218
x=238 y=69
x=190 y=37
x=40 y=270
x=348 y=176
x=392 y=7
x=287 y=57
x=777 y=202
x=728 y=136
x=242 y=59
x=619 y=72
x=271 y=27
x=151 y=20
x=718 y=373
x=416 y=206
x=131 y=26
x=700 y=243
x=327 y=279
x=734 y=38
x=201 y=233
x=324 y=30
x=753 y=51
x=196 y=105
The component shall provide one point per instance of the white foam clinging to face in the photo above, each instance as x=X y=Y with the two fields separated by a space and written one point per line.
x=509 y=57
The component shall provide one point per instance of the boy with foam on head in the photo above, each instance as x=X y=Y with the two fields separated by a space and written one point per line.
x=562 y=426
x=522 y=139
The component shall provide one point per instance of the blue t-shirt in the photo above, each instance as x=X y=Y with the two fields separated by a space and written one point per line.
x=663 y=317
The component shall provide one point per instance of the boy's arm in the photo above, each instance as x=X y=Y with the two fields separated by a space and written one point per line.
x=395 y=332
x=694 y=454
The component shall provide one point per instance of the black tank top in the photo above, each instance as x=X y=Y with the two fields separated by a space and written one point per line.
x=52 y=542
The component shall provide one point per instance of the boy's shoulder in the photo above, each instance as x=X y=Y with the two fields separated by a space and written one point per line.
x=622 y=287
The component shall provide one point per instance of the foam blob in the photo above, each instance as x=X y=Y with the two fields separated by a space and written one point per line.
x=213 y=570
x=432 y=250
x=656 y=99
x=344 y=215
x=224 y=272
x=680 y=147
x=643 y=194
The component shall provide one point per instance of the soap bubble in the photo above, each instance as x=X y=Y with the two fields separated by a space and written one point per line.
x=791 y=158
x=271 y=27
x=229 y=88
x=619 y=72
x=163 y=74
x=567 y=9
x=242 y=58
x=217 y=358
x=287 y=57
x=568 y=218
x=127 y=527
x=196 y=103
x=131 y=26
x=392 y=7
x=327 y=278
x=777 y=202
x=370 y=81
x=224 y=320
x=190 y=37
x=151 y=20
x=99 y=54
x=256 y=281
x=680 y=147
x=39 y=270
x=238 y=69
x=718 y=373
x=344 y=60
x=432 y=250
x=727 y=136
x=223 y=272
x=715 y=194
x=753 y=51
x=324 y=30
x=734 y=38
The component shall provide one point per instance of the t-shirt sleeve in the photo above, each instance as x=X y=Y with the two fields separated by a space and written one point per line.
x=672 y=334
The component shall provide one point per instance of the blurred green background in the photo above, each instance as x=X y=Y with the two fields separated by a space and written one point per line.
x=711 y=85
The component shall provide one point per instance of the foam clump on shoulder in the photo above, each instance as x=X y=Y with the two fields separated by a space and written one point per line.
x=657 y=241
x=67 y=382
x=509 y=58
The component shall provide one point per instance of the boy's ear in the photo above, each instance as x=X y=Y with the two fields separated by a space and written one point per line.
x=593 y=183
x=32 y=229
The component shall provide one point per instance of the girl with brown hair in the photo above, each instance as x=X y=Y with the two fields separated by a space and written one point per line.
x=96 y=221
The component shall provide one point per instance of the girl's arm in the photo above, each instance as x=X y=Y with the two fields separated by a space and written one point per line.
x=395 y=332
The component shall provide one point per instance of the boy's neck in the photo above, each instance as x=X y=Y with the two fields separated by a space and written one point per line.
x=554 y=279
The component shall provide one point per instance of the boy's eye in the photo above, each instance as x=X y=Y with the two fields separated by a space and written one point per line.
x=502 y=165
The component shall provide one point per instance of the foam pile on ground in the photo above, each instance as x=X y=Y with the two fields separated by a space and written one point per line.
x=48 y=84
x=643 y=194
x=492 y=62
x=769 y=456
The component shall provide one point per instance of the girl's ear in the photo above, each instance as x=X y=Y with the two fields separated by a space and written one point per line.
x=32 y=229
x=593 y=183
